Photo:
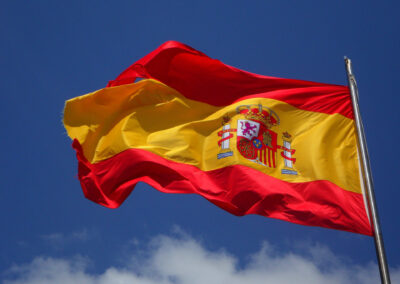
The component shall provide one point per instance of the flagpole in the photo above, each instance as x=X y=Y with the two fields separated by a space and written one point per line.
x=380 y=250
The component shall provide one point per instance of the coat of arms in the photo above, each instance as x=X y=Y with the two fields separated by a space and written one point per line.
x=255 y=139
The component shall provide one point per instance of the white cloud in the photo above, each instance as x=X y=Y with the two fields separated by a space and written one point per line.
x=183 y=260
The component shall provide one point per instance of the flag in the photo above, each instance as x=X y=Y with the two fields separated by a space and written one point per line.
x=250 y=144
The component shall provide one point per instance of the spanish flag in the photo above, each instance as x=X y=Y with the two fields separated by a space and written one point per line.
x=250 y=144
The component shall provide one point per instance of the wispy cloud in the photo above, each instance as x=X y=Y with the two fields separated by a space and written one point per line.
x=58 y=240
x=184 y=260
x=54 y=237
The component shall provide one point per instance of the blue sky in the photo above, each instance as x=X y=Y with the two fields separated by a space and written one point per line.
x=51 y=51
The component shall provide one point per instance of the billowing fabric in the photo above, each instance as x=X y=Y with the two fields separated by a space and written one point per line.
x=248 y=143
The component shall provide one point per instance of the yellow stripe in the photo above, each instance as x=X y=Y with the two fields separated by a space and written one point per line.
x=151 y=116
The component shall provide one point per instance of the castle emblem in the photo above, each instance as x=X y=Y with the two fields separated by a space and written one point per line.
x=255 y=138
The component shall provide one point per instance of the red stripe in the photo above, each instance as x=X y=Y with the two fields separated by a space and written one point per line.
x=237 y=189
x=201 y=78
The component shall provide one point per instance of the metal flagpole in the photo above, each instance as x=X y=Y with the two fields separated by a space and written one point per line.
x=380 y=250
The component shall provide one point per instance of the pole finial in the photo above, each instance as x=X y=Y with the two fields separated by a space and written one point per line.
x=347 y=62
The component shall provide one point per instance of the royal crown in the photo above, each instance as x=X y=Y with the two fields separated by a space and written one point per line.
x=260 y=113
x=286 y=136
